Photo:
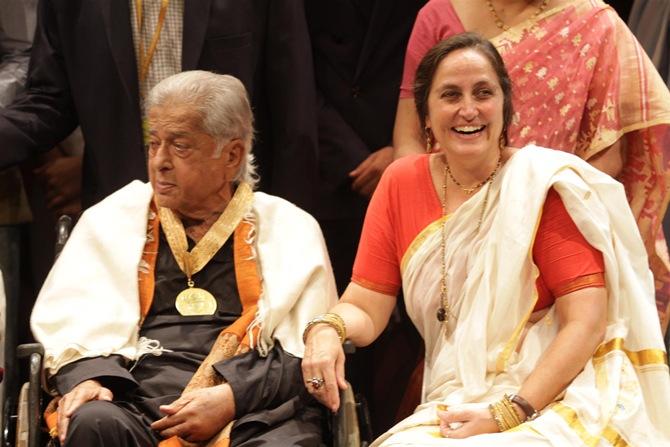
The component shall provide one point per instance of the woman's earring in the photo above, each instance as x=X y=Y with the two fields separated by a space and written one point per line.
x=429 y=140
x=501 y=139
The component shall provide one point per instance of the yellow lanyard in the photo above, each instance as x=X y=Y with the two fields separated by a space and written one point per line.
x=145 y=59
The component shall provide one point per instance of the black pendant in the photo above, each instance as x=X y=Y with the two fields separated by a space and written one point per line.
x=441 y=314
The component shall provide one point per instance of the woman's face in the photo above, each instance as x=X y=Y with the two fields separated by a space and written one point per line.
x=465 y=105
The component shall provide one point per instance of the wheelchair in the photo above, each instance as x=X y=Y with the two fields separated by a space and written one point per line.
x=23 y=425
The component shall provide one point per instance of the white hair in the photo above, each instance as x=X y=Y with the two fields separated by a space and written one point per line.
x=223 y=105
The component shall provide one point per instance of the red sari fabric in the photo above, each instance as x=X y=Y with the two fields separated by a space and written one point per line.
x=405 y=202
x=581 y=82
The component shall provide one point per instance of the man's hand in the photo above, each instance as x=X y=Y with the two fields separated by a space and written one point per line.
x=61 y=178
x=197 y=415
x=367 y=174
x=86 y=391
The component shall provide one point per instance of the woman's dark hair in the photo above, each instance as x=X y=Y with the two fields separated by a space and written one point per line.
x=428 y=66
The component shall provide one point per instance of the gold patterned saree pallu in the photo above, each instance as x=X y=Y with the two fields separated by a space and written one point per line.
x=583 y=82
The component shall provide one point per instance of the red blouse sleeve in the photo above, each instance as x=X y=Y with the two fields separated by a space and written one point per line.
x=376 y=266
x=567 y=262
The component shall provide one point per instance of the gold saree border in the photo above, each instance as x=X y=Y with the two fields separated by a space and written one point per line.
x=515 y=33
x=420 y=239
x=570 y=416
x=640 y=358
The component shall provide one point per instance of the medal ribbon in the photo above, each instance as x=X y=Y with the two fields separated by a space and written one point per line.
x=192 y=262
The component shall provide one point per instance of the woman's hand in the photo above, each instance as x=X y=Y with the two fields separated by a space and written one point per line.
x=466 y=420
x=323 y=365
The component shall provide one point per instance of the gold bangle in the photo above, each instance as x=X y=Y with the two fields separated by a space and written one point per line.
x=504 y=414
x=496 y=417
x=331 y=319
x=515 y=419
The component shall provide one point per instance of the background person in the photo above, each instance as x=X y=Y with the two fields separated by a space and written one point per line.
x=96 y=76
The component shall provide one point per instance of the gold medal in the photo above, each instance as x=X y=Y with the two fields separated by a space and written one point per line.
x=195 y=301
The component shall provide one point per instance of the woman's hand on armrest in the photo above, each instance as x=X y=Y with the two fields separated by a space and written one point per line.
x=365 y=314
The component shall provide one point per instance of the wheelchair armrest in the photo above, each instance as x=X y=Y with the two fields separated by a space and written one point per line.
x=349 y=347
x=35 y=353
x=26 y=349
x=63 y=228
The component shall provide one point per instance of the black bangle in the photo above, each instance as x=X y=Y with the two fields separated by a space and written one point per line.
x=530 y=412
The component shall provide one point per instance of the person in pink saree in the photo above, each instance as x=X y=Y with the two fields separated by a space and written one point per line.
x=581 y=84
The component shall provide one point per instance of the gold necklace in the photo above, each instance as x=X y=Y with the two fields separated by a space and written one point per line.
x=499 y=22
x=471 y=189
x=444 y=312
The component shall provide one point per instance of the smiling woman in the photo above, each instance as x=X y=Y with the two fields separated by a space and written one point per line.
x=582 y=84
x=504 y=256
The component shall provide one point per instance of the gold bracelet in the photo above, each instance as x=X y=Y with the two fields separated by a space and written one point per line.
x=504 y=414
x=496 y=417
x=331 y=319
x=512 y=415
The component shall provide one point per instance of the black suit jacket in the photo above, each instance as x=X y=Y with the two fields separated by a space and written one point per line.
x=359 y=49
x=83 y=71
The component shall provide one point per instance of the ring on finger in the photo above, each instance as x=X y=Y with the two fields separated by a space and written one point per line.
x=316 y=382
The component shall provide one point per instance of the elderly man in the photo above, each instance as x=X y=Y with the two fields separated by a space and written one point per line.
x=176 y=308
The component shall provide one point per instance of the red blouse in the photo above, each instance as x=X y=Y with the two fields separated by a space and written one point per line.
x=405 y=202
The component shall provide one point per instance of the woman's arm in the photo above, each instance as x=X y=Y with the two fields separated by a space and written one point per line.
x=582 y=321
x=407 y=134
x=365 y=313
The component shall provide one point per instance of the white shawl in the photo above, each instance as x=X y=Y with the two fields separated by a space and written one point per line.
x=89 y=304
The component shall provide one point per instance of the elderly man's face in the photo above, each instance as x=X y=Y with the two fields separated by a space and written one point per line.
x=185 y=175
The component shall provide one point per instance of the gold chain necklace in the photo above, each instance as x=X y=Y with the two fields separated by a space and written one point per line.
x=499 y=22
x=471 y=189
x=444 y=312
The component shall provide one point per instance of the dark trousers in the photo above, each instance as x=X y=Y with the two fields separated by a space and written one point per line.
x=111 y=424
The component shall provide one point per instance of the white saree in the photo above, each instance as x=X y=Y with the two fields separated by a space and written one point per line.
x=622 y=397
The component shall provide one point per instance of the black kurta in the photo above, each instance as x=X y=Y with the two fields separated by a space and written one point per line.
x=271 y=402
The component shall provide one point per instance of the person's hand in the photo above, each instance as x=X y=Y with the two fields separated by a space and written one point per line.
x=466 y=420
x=367 y=174
x=61 y=178
x=197 y=415
x=86 y=391
x=324 y=360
